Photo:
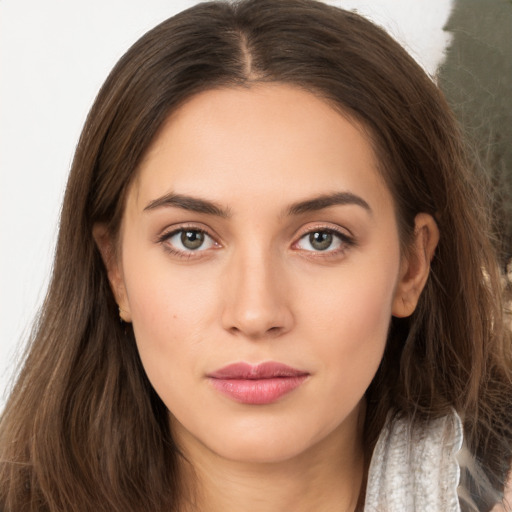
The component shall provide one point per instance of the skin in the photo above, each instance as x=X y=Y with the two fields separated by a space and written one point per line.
x=259 y=290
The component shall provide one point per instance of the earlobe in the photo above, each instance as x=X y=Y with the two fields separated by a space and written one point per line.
x=415 y=266
x=108 y=253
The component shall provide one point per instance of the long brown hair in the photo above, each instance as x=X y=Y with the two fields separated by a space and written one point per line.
x=83 y=429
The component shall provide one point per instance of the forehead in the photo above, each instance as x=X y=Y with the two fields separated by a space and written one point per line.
x=270 y=140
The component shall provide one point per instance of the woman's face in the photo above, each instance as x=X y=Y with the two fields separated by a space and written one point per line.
x=258 y=230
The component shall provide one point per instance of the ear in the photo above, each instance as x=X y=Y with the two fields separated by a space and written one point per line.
x=415 y=267
x=111 y=261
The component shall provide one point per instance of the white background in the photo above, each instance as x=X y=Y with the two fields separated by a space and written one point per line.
x=54 y=55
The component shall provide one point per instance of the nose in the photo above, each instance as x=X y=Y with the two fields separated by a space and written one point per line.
x=257 y=301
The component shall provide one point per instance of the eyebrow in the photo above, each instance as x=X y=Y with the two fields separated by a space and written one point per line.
x=327 y=200
x=194 y=204
x=205 y=206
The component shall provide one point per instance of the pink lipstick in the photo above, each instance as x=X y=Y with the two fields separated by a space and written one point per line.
x=257 y=384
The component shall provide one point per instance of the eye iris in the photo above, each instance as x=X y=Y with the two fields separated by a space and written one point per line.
x=320 y=240
x=192 y=239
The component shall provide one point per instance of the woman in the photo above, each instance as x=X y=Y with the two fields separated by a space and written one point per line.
x=273 y=286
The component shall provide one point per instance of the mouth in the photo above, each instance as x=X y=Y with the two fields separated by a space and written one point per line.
x=260 y=384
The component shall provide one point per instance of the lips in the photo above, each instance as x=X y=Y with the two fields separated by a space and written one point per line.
x=260 y=384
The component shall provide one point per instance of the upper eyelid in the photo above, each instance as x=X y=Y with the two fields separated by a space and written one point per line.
x=342 y=231
x=172 y=230
x=343 y=237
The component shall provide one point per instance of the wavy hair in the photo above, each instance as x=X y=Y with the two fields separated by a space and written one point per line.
x=84 y=430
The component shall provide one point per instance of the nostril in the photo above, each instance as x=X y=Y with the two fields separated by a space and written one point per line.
x=256 y=333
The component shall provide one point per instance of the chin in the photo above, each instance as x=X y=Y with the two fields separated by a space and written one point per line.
x=273 y=442
x=264 y=450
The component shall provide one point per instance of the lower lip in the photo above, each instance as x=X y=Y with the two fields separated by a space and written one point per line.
x=257 y=391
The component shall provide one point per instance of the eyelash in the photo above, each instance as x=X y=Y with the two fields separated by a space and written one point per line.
x=184 y=254
x=346 y=242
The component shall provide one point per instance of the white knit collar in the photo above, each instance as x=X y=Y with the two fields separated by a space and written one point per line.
x=415 y=468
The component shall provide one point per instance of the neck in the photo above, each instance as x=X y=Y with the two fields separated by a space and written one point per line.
x=327 y=477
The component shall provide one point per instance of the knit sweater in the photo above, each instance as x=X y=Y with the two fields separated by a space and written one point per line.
x=416 y=469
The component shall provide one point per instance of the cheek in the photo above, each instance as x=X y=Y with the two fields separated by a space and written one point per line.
x=356 y=301
x=349 y=314
x=172 y=308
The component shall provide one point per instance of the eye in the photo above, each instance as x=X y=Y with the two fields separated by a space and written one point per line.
x=324 y=240
x=188 y=240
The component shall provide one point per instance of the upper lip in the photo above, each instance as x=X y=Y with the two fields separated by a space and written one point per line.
x=246 y=371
